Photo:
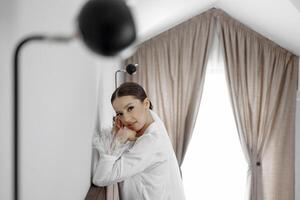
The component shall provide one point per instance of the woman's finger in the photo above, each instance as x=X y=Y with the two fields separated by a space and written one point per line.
x=119 y=123
x=121 y=135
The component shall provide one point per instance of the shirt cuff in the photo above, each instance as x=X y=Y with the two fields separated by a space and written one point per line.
x=108 y=157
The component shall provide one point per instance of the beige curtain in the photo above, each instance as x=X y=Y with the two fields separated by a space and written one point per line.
x=96 y=193
x=262 y=80
x=172 y=70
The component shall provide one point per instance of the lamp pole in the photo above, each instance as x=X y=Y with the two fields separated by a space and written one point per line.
x=16 y=104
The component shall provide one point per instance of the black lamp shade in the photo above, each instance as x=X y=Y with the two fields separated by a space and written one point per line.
x=106 y=26
x=131 y=69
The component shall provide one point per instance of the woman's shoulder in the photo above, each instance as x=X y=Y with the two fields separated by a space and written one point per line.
x=152 y=131
x=154 y=135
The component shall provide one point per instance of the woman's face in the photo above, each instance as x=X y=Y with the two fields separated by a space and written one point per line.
x=131 y=111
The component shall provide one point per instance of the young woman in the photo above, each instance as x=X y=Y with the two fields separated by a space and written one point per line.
x=148 y=168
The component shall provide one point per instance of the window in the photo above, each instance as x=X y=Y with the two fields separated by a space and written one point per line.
x=214 y=166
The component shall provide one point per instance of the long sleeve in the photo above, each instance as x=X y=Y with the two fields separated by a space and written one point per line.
x=104 y=143
x=112 y=169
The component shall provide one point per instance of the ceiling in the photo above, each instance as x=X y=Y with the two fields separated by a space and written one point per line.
x=278 y=20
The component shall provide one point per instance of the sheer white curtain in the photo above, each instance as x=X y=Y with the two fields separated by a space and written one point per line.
x=215 y=167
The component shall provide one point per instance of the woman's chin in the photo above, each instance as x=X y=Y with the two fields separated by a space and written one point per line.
x=134 y=128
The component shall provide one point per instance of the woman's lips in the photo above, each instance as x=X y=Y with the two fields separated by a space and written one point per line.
x=131 y=125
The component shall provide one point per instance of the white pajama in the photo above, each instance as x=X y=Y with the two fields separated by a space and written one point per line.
x=147 y=169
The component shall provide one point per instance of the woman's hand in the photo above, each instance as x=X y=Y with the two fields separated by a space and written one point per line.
x=125 y=134
x=122 y=132
x=118 y=123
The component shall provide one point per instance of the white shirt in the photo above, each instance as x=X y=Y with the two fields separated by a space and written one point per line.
x=146 y=170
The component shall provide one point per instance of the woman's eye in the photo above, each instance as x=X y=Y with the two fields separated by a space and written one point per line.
x=130 y=108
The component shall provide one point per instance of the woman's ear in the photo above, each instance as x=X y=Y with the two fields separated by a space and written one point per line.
x=146 y=103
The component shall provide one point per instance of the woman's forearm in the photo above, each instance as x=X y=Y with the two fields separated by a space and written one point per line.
x=104 y=174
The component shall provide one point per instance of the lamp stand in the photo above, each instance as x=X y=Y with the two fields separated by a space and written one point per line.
x=16 y=105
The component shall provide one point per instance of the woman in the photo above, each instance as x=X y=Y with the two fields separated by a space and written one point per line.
x=148 y=168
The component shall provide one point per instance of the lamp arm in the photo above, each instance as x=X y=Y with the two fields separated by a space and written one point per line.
x=116 y=77
x=16 y=89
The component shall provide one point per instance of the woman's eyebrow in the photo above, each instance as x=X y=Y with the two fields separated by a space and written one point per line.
x=127 y=105
x=124 y=107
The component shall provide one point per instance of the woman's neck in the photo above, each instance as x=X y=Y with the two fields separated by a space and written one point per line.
x=150 y=120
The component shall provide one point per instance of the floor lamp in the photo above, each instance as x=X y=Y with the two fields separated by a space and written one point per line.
x=105 y=26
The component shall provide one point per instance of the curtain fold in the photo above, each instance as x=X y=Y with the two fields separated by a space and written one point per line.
x=172 y=70
x=262 y=80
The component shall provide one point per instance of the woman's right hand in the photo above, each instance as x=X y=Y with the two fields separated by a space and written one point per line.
x=124 y=134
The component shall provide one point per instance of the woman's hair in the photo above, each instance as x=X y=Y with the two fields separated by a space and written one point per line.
x=130 y=89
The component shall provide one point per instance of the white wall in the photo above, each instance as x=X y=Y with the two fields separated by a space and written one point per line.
x=59 y=102
x=7 y=20
x=106 y=86
x=153 y=17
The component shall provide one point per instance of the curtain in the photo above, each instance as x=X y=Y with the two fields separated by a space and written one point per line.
x=96 y=193
x=262 y=80
x=172 y=70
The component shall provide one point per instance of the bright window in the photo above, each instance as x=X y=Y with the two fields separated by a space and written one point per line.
x=214 y=167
